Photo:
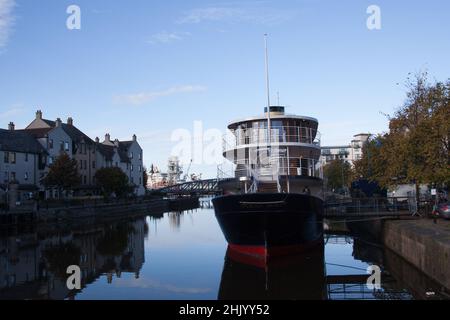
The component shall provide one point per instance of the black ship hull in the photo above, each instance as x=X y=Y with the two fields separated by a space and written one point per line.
x=270 y=224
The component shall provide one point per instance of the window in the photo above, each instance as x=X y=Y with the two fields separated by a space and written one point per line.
x=132 y=168
x=85 y=179
x=6 y=157
x=26 y=176
x=66 y=146
x=12 y=157
x=26 y=157
x=13 y=176
x=131 y=155
x=81 y=164
x=83 y=148
x=140 y=156
x=50 y=143
x=93 y=164
x=85 y=164
x=117 y=164
x=140 y=168
x=6 y=177
x=132 y=179
x=50 y=161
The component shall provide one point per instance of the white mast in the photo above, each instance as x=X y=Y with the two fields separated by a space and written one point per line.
x=269 y=127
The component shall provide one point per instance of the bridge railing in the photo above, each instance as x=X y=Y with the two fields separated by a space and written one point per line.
x=194 y=187
x=368 y=205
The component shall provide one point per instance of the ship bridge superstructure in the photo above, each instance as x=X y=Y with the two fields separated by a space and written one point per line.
x=291 y=148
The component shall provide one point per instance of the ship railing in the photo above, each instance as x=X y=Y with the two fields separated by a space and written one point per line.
x=251 y=136
x=292 y=166
x=225 y=171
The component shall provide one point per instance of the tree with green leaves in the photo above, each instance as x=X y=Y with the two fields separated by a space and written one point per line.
x=63 y=174
x=337 y=174
x=145 y=177
x=372 y=165
x=113 y=181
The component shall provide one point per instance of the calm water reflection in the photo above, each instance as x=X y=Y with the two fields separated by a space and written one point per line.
x=182 y=256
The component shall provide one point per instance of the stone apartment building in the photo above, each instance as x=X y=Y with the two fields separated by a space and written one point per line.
x=43 y=141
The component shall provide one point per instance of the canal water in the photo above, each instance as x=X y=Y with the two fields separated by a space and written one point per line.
x=183 y=255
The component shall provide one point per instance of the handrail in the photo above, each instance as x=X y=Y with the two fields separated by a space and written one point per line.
x=250 y=136
x=291 y=166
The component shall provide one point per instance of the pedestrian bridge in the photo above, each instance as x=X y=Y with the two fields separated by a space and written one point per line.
x=199 y=187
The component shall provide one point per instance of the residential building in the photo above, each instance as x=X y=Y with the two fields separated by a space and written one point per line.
x=66 y=137
x=22 y=159
x=26 y=155
x=348 y=153
x=128 y=156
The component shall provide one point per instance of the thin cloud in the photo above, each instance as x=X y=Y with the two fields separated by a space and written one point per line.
x=146 y=97
x=13 y=112
x=255 y=15
x=167 y=37
x=6 y=20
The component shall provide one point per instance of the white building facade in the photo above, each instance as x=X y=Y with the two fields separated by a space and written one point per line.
x=348 y=153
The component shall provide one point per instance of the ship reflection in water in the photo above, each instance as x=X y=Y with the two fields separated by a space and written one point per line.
x=299 y=277
x=181 y=256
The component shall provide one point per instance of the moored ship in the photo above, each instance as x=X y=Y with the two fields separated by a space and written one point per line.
x=274 y=203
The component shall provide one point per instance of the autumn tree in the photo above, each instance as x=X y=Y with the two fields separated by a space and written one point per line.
x=113 y=180
x=416 y=148
x=63 y=174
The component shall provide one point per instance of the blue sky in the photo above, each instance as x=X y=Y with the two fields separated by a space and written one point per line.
x=151 y=67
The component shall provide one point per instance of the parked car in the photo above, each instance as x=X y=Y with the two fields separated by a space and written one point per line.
x=443 y=210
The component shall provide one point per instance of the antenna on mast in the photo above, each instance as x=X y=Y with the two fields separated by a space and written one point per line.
x=269 y=129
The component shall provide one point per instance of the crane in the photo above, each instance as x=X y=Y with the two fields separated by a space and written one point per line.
x=187 y=171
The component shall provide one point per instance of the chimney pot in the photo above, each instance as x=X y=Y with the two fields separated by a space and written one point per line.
x=39 y=114
x=107 y=137
x=116 y=143
x=97 y=140
x=11 y=126
x=134 y=137
x=58 y=122
x=70 y=121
